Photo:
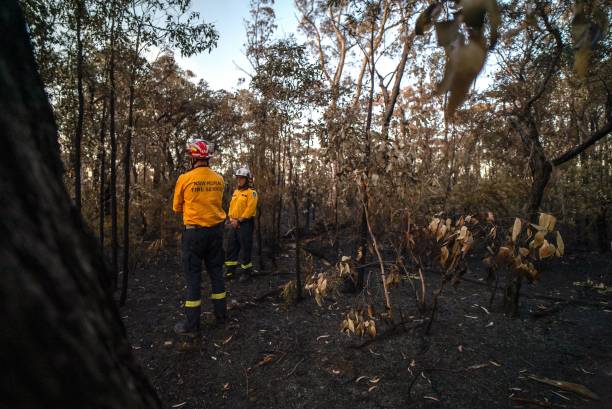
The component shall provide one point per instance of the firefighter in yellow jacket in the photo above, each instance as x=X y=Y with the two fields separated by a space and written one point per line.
x=198 y=195
x=242 y=210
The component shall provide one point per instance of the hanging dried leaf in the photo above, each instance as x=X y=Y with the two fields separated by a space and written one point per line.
x=447 y=32
x=586 y=32
x=473 y=12
x=463 y=233
x=524 y=252
x=504 y=252
x=433 y=226
x=546 y=250
x=537 y=241
x=467 y=244
x=372 y=329
x=443 y=255
x=516 y=229
x=560 y=245
x=441 y=232
x=463 y=66
x=547 y=222
x=427 y=17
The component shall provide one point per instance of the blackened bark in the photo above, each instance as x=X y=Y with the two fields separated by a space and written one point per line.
x=512 y=293
x=102 y=191
x=78 y=137
x=298 y=243
x=113 y=154
x=603 y=239
x=363 y=230
x=539 y=165
x=65 y=346
x=126 y=177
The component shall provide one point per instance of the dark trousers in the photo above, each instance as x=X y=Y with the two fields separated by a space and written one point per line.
x=203 y=244
x=240 y=246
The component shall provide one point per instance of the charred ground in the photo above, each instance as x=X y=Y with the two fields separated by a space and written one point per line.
x=274 y=355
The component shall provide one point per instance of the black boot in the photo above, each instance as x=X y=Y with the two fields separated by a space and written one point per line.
x=245 y=276
x=191 y=326
x=220 y=309
x=182 y=329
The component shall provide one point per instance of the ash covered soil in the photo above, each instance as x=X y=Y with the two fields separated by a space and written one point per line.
x=273 y=355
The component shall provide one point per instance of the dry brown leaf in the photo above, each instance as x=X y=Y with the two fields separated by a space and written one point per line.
x=426 y=17
x=266 y=360
x=523 y=251
x=441 y=232
x=547 y=221
x=463 y=233
x=516 y=229
x=351 y=325
x=447 y=32
x=372 y=329
x=538 y=239
x=478 y=366
x=452 y=81
x=560 y=245
x=443 y=255
x=504 y=252
x=546 y=250
x=567 y=386
x=370 y=311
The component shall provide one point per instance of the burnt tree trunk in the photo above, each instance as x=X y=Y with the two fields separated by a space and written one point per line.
x=512 y=294
x=65 y=345
x=126 y=177
x=78 y=136
x=603 y=240
x=102 y=187
x=113 y=152
x=539 y=165
x=362 y=248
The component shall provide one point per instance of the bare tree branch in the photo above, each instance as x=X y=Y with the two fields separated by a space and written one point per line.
x=572 y=153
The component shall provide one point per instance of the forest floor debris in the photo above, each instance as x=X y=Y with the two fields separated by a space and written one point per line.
x=313 y=364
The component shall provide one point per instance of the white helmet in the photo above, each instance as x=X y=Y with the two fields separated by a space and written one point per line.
x=243 y=171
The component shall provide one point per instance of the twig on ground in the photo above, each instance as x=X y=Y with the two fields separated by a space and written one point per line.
x=294 y=368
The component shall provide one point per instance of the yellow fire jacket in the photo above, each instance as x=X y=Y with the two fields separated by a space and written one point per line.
x=243 y=204
x=198 y=194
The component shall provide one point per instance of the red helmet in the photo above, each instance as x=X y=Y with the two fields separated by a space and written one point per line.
x=198 y=149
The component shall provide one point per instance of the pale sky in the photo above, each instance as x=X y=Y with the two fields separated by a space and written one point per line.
x=219 y=67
